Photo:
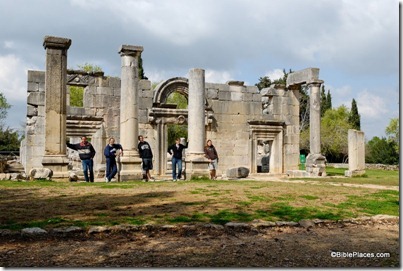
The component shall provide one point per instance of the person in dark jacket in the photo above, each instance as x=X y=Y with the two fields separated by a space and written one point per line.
x=86 y=152
x=146 y=156
x=210 y=153
x=176 y=151
x=110 y=152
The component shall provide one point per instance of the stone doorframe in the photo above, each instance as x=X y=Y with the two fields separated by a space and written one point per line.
x=272 y=131
x=161 y=117
x=162 y=114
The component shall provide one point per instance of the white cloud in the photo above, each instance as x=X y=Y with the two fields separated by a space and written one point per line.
x=371 y=106
x=8 y=44
x=214 y=76
x=13 y=78
x=275 y=74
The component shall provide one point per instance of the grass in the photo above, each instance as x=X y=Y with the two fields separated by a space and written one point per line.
x=50 y=204
x=372 y=176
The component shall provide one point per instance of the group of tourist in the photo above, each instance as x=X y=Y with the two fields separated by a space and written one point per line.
x=113 y=150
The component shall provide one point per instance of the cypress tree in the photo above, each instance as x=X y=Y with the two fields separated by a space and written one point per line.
x=354 y=118
x=323 y=101
x=329 y=100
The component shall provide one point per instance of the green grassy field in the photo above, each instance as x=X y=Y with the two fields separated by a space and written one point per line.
x=49 y=204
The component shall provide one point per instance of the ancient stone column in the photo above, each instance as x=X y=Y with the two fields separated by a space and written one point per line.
x=55 y=105
x=129 y=116
x=315 y=162
x=356 y=153
x=196 y=164
x=196 y=126
x=314 y=117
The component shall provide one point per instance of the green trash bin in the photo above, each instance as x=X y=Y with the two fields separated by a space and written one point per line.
x=302 y=161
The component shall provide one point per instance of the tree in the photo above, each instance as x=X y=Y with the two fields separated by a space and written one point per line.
x=334 y=133
x=4 y=106
x=392 y=131
x=381 y=151
x=354 y=118
x=329 y=100
x=89 y=68
x=141 y=69
x=177 y=130
x=304 y=108
x=76 y=96
x=264 y=82
x=9 y=140
x=325 y=101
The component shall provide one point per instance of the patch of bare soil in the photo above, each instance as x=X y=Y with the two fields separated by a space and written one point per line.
x=336 y=245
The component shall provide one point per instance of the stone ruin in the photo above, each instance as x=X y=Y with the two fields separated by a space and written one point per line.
x=255 y=130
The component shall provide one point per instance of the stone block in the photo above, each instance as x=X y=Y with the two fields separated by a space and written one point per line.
x=32 y=110
x=104 y=91
x=303 y=76
x=236 y=96
x=36 y=76
x=224 y=96
x=75 y=111
x=40 y=173
x=212 y=93
x=237 y=172
x=144 y=84
x=36 y=98
x=114 y=82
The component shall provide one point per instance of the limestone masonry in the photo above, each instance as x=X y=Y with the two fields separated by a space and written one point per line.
x=251 y=129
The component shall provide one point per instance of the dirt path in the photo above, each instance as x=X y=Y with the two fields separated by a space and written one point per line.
x=213 y=247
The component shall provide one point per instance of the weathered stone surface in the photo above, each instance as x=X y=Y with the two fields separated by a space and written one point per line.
x=73 y=177
x=238 y=172
x=303 y=76
x=41 y=173
x=33 y=231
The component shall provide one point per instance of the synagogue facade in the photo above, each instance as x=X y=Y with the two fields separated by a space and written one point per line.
x=258 y=130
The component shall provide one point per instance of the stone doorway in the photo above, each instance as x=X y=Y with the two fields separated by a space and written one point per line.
x=170 y=116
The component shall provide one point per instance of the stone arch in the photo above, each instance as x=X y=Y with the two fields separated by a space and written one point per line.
x=165 y=88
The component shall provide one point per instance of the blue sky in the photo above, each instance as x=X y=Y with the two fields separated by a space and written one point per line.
x=354 y=43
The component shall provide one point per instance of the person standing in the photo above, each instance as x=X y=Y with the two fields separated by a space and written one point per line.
x=146 y=156
x=210 y=153
x=176 y=151
x=86 y=152
x=111 y=152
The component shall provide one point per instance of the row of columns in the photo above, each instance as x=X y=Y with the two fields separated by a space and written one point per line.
x=55 y=111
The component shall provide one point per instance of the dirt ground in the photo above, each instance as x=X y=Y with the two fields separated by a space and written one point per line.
x=335 y=245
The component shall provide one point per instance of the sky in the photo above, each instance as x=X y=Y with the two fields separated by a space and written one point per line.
x=354 y=43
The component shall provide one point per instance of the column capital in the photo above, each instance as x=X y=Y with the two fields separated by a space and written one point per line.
x=316 y=83
x=130 y=50
x=56 y=43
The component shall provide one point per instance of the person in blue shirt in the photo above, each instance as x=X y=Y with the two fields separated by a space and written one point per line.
x=111 y=152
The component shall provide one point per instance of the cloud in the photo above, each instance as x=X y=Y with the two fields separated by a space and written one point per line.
x=370 y=105
x=275 y=74
x=214 y=76
x=13 y=78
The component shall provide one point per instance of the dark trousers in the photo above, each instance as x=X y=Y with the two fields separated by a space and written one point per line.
x=111 y=168
x=88 y=165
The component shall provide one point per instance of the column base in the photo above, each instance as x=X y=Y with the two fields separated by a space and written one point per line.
x=316 y=165
x=196 y=165
x=130 y=166
x=354 y=173
x=58 y=164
